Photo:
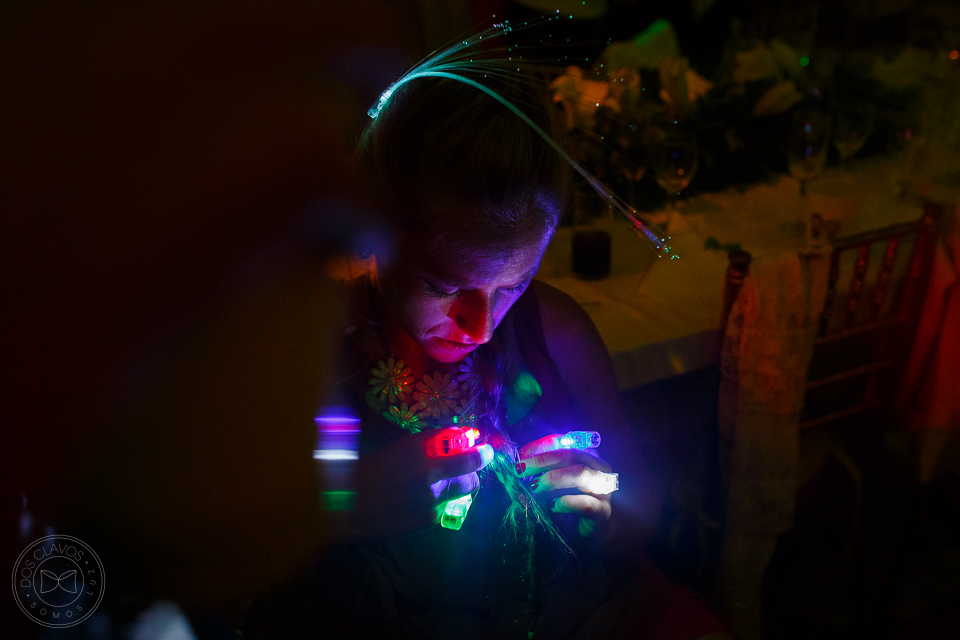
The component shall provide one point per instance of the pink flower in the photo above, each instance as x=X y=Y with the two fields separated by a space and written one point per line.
x=436 y=395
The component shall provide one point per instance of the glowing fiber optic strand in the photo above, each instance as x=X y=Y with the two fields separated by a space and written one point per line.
x=456 y=57
x=448 y=59
x=440 y=65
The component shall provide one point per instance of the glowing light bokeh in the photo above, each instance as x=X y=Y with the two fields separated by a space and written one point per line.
x=337 y=449
x=335 y=454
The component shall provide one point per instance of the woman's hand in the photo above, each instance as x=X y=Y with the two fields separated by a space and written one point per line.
x=402 y=487
x=564 y=469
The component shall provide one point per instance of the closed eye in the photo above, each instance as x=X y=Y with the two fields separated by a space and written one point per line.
x=519 y=288
x=438 y=292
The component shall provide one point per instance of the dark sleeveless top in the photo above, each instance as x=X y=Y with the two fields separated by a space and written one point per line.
x=470 y=583
x=440 y=583
x=475 y=583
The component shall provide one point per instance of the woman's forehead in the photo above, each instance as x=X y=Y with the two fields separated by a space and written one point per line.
x=473 y=265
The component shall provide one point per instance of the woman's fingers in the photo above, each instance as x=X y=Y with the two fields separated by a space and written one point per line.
x=569 y=440
x=590 y=507
x=453 y=488
x=460 y=464
x=559 y=458
x=414 y=458
x=399 y=486
x=593 y=511
x=541 y=445
x=578 y=476
x=565 y=469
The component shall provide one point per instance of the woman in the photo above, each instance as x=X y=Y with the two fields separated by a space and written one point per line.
x=454 y=331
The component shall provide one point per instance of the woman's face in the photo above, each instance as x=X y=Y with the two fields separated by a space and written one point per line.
x=449 y=302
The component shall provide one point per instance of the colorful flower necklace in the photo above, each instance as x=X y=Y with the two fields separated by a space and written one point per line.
x=435 y=401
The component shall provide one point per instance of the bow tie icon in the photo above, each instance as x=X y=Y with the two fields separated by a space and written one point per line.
x=67 y=581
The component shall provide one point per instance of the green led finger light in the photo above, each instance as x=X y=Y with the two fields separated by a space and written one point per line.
x=455 y=512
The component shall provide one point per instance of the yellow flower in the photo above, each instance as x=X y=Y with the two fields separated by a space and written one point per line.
x=404 y=416
x=436 y=395
x=391 y=380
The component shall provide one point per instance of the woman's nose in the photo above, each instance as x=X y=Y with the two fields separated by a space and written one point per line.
x=473 y=313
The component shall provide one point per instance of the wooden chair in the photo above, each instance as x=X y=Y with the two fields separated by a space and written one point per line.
x=877 y=282
x=867 y=327
x=738 y=265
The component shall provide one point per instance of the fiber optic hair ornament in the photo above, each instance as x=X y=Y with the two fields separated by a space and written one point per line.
x=466 y=58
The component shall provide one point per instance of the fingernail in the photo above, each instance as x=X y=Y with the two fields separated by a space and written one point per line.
x=521 y=466
x=535 y=484
x=486 y=454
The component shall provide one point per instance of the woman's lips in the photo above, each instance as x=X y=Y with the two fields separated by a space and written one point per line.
x=451 y=345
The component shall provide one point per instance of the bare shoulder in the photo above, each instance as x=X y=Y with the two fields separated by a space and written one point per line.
x=563 y=319
x=571 y=337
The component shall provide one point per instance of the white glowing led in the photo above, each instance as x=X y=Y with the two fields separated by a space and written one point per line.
x=603 y=483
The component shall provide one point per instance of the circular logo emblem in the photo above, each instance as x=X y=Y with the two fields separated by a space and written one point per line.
x=58 y=581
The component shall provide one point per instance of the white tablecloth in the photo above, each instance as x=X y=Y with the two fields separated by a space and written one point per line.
x=659 y=317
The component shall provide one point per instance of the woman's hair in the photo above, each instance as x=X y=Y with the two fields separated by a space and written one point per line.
x=466 y=173
x=462 y=169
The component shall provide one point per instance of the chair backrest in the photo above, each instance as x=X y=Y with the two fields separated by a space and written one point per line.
x=738 y=265
x=877 y=282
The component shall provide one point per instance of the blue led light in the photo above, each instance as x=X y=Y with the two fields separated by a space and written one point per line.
x=580 y=440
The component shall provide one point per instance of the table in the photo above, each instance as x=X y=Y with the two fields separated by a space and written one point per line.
x=660 y=318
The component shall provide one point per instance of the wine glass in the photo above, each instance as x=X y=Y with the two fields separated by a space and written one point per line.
x=629 y=152
x=907 y=148
x=673 y=161
x=852 y=126
x=807 y=149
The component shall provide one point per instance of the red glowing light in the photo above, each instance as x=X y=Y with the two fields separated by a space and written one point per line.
x=954 y=54
x=453 y=441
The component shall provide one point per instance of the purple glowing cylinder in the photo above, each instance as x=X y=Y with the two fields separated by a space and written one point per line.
x=337 y=450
